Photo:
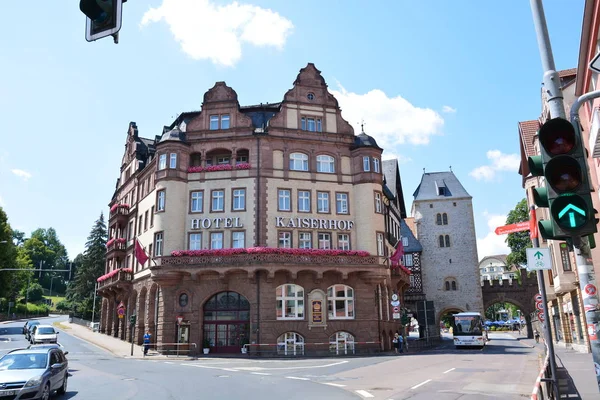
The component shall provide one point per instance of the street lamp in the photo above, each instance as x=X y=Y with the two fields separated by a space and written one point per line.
x=51 y=281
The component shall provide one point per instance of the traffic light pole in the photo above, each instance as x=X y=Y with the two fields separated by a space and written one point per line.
x=557 y=109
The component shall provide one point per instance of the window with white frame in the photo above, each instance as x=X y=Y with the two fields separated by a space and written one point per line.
x=197 y=200
x=408 y=260
x=340 y=302
x=238 y=240
x=322 y=202
x=305 y=240
x=376 y=164
x=311 y=124
x=290 y=301
x=380 y=252
x=195 y=241
x=284 y=200
x=341 y=343
x=173 y=160
x=225 y=121
x=214 y=122
x=404 y=241
x=378 y=204
x=303 y=201
x=366 y=163
x=162 y=161
x=324 y=240
x=224 y=160
x=241 y=160
x=158 y=244
x=341 y=203
x=218 y=200
x=290 y=344
x=216 y=240
x=298 y=162
x=239 y=199
x=285 y=240
x=343 y=241
x=160 y=201
x=325 y=164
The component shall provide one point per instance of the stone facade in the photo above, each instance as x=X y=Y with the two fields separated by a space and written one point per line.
x=443 y=214
x=267 y=227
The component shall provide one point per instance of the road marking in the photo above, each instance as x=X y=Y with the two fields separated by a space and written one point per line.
x=421 y=384
x=223 y=376
x=229 y=369
x=364 y=393
x=297 y=378
x=451 y=369
x=304 y=367
x=259 y=373
x=333 y=384
x=207 y=367
x=169 y=362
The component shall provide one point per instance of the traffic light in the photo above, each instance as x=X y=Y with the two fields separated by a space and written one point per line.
x=103 y=17
x=567 y=192
x=132 y=319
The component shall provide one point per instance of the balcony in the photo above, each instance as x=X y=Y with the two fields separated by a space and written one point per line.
x=119 y=278
x=119 y=214
x=116 y=247
x=564 y=282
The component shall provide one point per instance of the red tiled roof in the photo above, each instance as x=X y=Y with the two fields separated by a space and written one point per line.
x=567 y=72
x=527 y=130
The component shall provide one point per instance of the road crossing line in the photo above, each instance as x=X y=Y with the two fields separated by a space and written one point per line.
x=451 y=369
x=298 y=378
x=333 y=384
x=364 y=393
x=421 y=384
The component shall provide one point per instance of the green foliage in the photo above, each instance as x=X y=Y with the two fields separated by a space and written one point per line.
x=32 y=309
x=518 y=241
x=64 y=305
x=46 y=251
x=36 y=292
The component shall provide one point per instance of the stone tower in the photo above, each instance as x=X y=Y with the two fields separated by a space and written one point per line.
x=443 y=213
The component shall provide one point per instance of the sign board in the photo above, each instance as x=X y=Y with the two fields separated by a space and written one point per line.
x=394 y=297
x=396 y=310
x=538 y=298
x=396 y=316
x=538 y=259
x=590 y=289
x=595 y=63
x=395 y=303
x=512 y=228
x=121 y=305
x=317 y=311
x=541 y=317
x=179 y=320
x=539 y=306
x=533 y=227
x=121 y=312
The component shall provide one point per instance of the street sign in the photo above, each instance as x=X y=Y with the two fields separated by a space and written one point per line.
x=541 y=317
x=396 y=316
x=512 y=228
x=538 y=259
x=538 y=298
x=121 y=312
x=395 y=303
x=394 y=297
x=590 y=290
x=396 y=309
x=539 y=306
x=595 y=63
x=121 y=305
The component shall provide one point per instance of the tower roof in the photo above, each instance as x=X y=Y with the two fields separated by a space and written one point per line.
x=440 y=185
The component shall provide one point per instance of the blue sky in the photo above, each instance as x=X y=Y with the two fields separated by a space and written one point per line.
x=439 y=83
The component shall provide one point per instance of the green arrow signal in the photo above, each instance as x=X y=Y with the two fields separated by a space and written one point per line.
x=574 y=209
x=538 y=255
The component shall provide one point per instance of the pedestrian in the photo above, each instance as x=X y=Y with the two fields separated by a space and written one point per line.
x=395 y=342
x=146 y=342
x=400 y=343
x=536 y=334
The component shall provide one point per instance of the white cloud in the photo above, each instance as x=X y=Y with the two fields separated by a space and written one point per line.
x=491 y=243
x=390 y=120
x=448 y=110
x=21 y=174
x=500 y=162
x=209 y=31
x=388 y=155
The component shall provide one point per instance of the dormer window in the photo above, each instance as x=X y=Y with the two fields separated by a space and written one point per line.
x=219 y=122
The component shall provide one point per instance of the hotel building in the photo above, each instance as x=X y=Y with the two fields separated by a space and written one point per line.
x=267 y=225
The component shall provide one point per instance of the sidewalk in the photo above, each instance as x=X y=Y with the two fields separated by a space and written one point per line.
x=114 y=345
x=575 y=370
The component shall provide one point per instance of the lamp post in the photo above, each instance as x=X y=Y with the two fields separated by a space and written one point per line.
x=52 y=281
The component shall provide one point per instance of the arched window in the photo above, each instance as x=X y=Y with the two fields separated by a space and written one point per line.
x=195 y=159
x=290 y=344
x=298 y=162
x=341 y=343
x=447 y=240
x=290 y=302
x=438 y=219
x=444 y=219
x=325 y=164
x=340 y=302
x=447 y=285
x=441 y=240
x=453 y=285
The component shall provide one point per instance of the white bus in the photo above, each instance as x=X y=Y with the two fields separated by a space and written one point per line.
x=468 y=330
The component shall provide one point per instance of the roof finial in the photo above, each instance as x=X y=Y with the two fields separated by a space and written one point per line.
x=423 y=170
x=451 y=168
x=362 y=125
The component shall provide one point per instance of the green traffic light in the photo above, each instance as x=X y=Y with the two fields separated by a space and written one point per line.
x=570 y=212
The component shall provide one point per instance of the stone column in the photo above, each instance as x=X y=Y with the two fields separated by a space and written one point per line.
x=110 y=314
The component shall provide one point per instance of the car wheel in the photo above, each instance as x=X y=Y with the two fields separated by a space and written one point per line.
x=46 y=392
x=63 y=388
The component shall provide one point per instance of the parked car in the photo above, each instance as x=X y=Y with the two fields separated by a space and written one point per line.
x=48 y=346
x=33 y=373
x=43 y=334
x=28 y=327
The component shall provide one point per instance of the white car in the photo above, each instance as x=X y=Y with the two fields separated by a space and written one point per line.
x=44 y=334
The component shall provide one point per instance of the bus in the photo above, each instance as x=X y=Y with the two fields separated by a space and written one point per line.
x=468 y=330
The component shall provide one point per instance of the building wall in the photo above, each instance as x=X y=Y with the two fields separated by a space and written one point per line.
x=459 y=262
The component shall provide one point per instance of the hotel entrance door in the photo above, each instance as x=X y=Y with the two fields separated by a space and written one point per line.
x=227 y=322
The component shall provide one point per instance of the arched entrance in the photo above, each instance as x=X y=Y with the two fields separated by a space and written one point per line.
x=227 y=322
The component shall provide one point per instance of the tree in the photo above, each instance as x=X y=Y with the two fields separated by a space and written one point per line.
x=92 y=264
x=8 y=254
x=518 y=241
x=46 y=251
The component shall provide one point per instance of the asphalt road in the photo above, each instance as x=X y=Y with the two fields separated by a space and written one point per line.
x=505 y=369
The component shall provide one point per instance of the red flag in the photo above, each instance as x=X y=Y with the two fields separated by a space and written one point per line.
x=140 y=254
x=398 y=253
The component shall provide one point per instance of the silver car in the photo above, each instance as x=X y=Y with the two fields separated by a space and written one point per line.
x=33 y=373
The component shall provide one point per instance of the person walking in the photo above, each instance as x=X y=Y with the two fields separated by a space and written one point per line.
x=396 y=343
x=146 y=342
x=536 y=334
x=400 y=344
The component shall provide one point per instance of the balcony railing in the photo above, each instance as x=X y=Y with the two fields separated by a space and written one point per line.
x=119 y=244
x=117 y=276
x=252 y=259
x=119 y=209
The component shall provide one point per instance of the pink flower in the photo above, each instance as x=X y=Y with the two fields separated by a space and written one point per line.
x=115 y=206
x=215 y=168
x=268 y=250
